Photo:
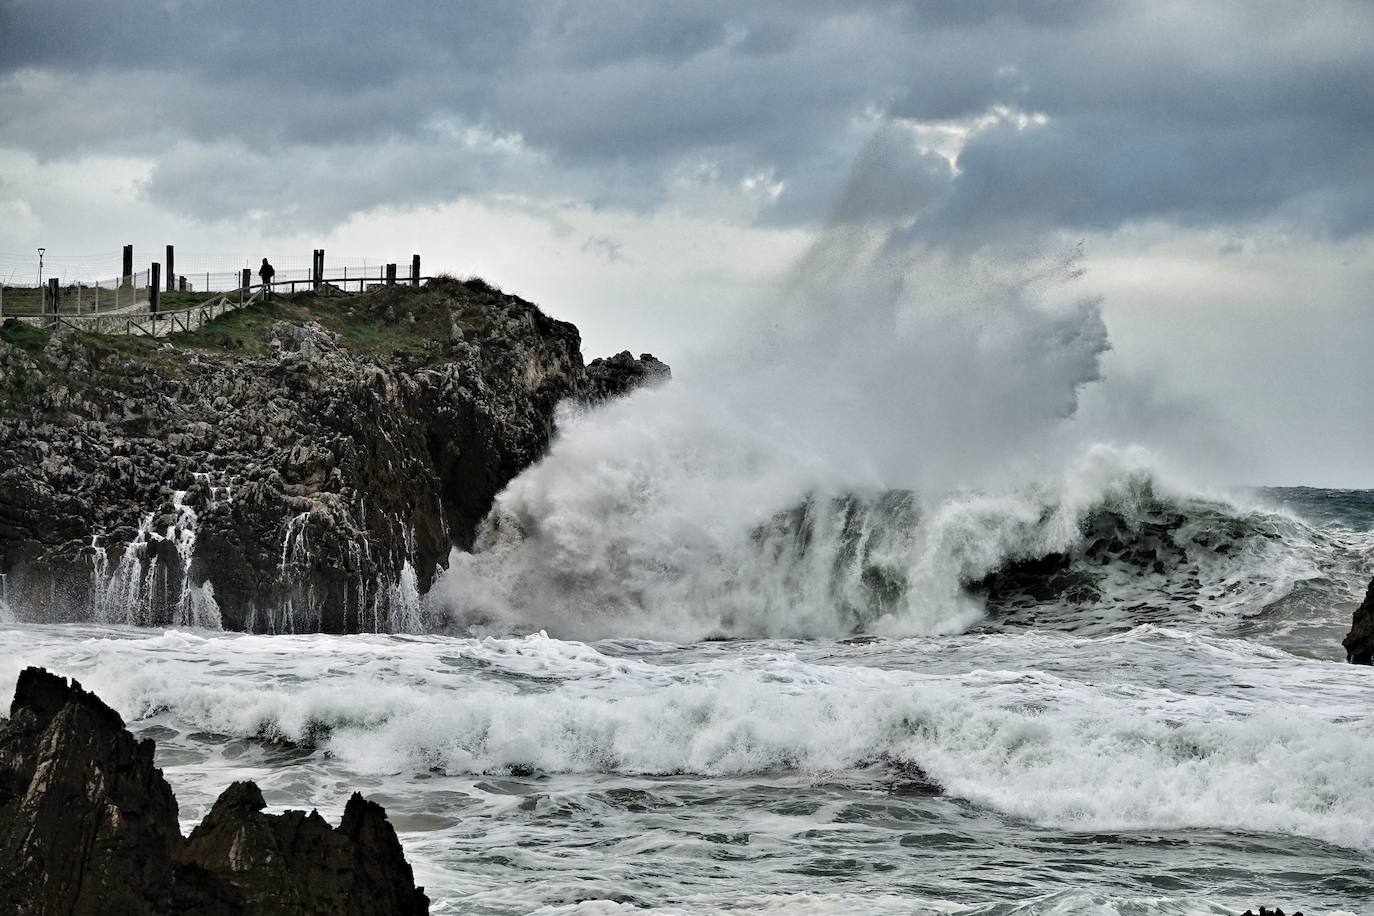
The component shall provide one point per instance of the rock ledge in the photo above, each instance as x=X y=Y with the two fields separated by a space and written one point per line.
x=89 y=825
x=1359 y=642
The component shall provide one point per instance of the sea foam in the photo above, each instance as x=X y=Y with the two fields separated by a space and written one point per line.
x=1293 y=752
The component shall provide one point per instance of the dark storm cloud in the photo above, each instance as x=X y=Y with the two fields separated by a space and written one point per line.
x=1094 y=172
x=1202 y=114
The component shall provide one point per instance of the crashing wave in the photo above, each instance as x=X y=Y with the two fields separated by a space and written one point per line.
x=1111 y=546
x=1286 y=749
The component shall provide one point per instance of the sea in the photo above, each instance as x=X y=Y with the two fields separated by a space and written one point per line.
x=1174 y=730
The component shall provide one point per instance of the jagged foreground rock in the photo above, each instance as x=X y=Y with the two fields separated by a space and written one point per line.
x=1359 y=642
x=315 y=477
x=88 y=826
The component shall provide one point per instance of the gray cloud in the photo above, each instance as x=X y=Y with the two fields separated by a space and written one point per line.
x=1201 y=115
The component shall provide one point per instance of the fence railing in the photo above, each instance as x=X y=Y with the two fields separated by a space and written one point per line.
x=153 y=301
x=77 y=298
x=149 y=323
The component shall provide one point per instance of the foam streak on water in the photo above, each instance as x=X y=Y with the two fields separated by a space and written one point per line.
x=796 y=776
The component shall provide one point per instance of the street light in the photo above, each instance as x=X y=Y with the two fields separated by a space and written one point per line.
x=40 y=266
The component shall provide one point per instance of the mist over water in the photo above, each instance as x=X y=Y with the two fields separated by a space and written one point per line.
x=897 y=425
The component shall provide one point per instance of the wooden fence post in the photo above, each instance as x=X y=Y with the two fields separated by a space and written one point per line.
x=391 y=275
x=54 y=298
x=154 y=286
x=127 y=277
x=171 y=271
x=415 y=270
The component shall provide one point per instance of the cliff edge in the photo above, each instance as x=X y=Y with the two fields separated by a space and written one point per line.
x=1359 y=642
x=302 y=465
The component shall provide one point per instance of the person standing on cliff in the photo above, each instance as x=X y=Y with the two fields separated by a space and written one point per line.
x=267 y=272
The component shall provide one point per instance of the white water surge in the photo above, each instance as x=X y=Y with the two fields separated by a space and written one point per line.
x=1148 y=732
x=649 y=516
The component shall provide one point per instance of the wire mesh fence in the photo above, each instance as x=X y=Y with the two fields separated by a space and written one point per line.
x=79 y=297
x=202 y=271
x=70 y=288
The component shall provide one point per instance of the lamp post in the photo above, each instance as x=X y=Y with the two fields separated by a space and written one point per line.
x=40 y=266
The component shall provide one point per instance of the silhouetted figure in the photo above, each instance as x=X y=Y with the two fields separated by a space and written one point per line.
x=266 y=272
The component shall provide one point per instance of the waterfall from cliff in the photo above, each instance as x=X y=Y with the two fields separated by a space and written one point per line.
x=132 y=592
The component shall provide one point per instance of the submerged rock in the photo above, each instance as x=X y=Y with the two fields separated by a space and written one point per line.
x=89 y=825
x=1359 y=642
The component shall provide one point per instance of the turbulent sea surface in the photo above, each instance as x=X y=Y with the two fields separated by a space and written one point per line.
x=1182 y=737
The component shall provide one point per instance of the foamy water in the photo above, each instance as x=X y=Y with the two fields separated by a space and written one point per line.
x=1151 y=771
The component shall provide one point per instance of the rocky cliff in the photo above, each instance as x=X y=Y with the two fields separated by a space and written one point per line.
x=306 y=465
x=1359 y=642
x=88 y=825
x=620 y=374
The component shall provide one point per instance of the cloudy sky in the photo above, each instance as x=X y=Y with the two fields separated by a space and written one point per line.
x=651 y=171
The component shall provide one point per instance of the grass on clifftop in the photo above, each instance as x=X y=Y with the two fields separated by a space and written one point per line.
x=24 y=336
x=399 y=319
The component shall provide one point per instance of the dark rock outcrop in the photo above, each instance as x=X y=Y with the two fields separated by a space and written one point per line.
x=1359 y=642
x=312 y=461
x=296 y=863
x=618 y=375
x=88 y=825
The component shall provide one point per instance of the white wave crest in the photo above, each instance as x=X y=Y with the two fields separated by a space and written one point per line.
x=595 y=545
x=1292 y=753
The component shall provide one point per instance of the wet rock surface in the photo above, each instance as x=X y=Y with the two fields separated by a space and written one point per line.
x=1359 y=642
x=88 y=825
x=296 y=863
x=301 y=466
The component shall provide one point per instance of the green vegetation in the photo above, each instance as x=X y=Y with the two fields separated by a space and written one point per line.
x=386 y=320
x=24 y=336
x=133 y=347
x=240 y=331
x=399 y=320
